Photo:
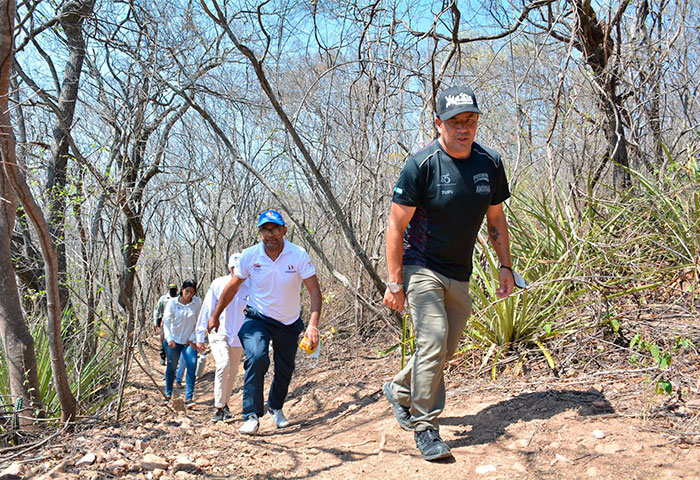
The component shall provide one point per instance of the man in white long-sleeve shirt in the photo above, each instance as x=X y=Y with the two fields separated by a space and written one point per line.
x=224 y=342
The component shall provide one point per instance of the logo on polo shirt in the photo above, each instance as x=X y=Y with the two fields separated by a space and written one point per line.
x=290 y=269
x=256 y=266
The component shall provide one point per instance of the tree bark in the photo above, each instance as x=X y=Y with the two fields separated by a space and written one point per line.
x=29 y=267
x=18 y=343
x=53 y=303
x=597 y=45
x=72 y=16
x=19 y=184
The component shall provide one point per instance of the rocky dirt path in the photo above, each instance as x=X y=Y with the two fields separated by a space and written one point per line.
x=342 y=428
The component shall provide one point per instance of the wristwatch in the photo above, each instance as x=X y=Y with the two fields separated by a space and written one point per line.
x=394 y=287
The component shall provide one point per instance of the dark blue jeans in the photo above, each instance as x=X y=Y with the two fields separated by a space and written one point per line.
x=189 y=356
x=255 y=335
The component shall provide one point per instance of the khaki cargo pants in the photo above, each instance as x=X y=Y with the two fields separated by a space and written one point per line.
x=440 y=308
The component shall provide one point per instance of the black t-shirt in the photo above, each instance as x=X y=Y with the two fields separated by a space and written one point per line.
x=451 y=197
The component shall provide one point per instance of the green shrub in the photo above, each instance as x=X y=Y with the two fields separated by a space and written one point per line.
x=92 y=385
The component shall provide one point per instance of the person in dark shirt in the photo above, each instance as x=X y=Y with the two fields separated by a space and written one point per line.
x=440 y=200
x=158 y=317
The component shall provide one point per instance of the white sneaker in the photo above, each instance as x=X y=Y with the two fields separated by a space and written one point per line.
x=250 y=426
x=278 y=416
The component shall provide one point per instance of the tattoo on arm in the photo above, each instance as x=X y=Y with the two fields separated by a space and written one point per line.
x=494 y=233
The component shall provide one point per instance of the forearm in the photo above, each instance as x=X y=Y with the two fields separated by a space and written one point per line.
x=208 y=304
x=394 y=252
x=316 y=303
x=500 y=239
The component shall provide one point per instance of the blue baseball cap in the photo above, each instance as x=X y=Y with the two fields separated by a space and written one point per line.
x=270 y=216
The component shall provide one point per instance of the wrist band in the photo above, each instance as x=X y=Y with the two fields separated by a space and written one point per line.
x=506 y=267
x=311 y=326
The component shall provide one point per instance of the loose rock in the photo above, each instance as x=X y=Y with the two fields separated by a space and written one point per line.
x=183 y=463
x=14 y=472
x=483 y=469
x=87 y=459
x=178 y=405
x=154 y=462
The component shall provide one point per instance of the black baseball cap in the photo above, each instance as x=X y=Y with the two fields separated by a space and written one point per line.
x=456 y=100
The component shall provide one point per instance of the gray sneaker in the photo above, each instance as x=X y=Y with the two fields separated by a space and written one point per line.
x=278 y=416
x=431 y=445
x=218 y=416
x=403 y=414
x=228 y=416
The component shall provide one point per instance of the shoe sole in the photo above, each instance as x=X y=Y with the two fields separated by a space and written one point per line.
x=437 y=456
x=386 y=391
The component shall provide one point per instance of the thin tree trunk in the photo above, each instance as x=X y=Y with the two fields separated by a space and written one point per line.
x=15 y=177
x=127 y=349
x=597 y=45
x=72 y=17
x=26 y=256
x=53 y=303
x=89 y=338
x=17 y=341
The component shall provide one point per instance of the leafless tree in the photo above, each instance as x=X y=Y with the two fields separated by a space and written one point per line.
x=17 y=341
x=48 y=249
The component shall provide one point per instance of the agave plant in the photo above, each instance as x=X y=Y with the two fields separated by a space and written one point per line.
x=563 y=259
x=90 y=383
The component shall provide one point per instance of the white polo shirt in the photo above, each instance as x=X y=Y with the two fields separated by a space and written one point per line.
x=231 y=319
x=275 y=287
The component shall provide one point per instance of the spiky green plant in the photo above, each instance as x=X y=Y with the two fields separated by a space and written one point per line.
x=569 y=261
x=92 y=382
x=542 y=249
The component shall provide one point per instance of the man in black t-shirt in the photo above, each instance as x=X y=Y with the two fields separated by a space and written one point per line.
x=441 y=198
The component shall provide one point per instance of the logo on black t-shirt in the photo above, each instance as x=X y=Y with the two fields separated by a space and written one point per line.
x=446 y=181
x=482 y=184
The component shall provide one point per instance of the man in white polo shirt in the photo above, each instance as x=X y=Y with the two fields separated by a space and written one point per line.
x=224 y=342
x=275 y=269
